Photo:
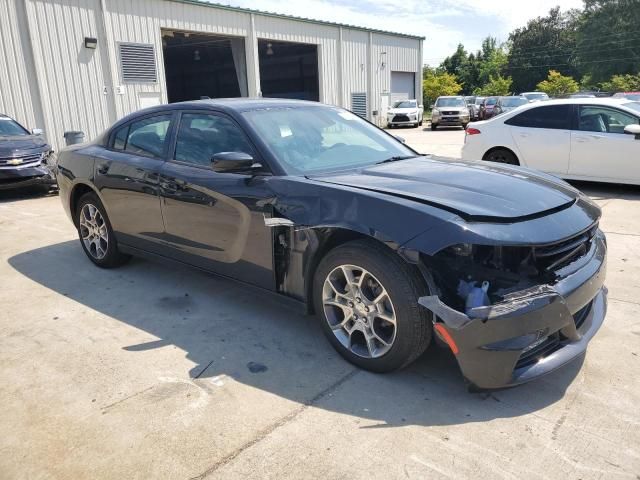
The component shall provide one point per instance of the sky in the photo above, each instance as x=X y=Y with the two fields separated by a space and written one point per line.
x=444 y=23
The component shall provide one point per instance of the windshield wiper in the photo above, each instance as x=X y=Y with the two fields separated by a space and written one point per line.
x=397 y=158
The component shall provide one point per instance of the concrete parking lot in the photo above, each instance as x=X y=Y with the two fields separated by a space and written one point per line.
x=157 y=371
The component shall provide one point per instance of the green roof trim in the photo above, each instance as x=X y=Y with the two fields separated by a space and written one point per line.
x=204 y=3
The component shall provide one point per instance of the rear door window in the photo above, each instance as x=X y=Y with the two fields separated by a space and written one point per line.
x=555 y=117
x=147 y=137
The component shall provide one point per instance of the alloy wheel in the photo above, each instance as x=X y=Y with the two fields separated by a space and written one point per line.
x=359 y=311
x=93 y=231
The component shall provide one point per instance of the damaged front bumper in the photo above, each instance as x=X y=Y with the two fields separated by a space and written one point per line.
x=20 y=177
x=532 y=332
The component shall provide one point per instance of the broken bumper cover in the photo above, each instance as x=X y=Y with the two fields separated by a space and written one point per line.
x=26 y=176
x=531 y=332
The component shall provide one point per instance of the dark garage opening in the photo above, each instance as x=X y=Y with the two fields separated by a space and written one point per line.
x=200 y=65
x=288 y=70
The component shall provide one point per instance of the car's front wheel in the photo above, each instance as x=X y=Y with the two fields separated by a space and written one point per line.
x=434 y=126
x=96 y=234
x=366 y=299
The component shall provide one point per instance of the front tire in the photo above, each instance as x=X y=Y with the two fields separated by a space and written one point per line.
x=434 y=126
x=502 y=155
x=96 y=235
x=366 y=299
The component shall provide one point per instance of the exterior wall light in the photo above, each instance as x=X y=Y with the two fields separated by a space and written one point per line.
x=90 y=42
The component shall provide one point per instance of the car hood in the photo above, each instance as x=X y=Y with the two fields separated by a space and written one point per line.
x=453 y=109
x=476 y=191
x=402 y=110
x=17 y=144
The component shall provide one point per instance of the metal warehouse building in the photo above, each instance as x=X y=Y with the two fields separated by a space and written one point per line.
x=83 y=64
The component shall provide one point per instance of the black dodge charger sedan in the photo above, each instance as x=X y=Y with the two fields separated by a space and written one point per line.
x=24 y=157
x=387 y=247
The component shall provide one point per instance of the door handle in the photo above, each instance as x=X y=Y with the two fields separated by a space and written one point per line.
x=523 y=135
x=103 y=168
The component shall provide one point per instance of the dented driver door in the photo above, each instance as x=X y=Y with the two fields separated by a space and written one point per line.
x=215 y=220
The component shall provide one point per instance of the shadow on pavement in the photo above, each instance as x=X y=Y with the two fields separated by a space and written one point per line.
x=264 y=341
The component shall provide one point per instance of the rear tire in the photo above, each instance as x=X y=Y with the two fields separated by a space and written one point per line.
x=96 y=235
x=502 y=155
x=353 y=324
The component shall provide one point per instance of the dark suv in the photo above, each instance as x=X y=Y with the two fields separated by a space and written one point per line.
x=25 y=157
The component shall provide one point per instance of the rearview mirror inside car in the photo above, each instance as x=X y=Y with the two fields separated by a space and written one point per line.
x=633 y=130
x=233 y=162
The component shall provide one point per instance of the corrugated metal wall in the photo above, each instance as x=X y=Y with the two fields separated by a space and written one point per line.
x=50 y=80
x=19 y=96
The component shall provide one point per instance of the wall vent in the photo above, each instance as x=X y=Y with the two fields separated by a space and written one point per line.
x=359 y=104
x=137 y=63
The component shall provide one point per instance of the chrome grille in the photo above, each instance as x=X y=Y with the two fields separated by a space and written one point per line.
x=21 y=160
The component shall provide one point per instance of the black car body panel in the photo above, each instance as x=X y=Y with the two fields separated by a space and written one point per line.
x=271 y=230
x=24 y=161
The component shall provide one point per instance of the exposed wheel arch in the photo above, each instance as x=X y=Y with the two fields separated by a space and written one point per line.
x=494 y=149
x=330 y=238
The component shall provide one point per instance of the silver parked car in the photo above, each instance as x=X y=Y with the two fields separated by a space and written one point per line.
x=405 y=112
x=450 y=111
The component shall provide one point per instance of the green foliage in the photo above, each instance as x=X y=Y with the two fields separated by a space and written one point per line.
x=608 y=38
x=437 y=84
x=497 y=85
x=544 y=43
x=557 y=84
x=622 y=83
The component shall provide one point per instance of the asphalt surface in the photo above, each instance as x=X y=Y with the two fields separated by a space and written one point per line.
x=156 y=371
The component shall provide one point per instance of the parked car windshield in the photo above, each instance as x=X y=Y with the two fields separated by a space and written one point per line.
x=9 y=127
x=316 y=140
x=632 y=96
x=479 y=100
x=633 y=106
x=450 y=102
x=514 y=101
x=405 y=104
x=491 y=101
x=536 y=96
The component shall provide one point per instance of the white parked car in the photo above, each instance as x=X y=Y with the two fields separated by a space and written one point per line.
x=535 y=96
x=405 y=112
x=593 y=139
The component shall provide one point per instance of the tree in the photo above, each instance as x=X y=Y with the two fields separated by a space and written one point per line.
x=437 y=84
x=497 y=85
x=545 y=42
x=607 y=38
x=556 y=84
x=622 y=83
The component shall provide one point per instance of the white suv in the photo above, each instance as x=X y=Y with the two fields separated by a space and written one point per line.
x=405 y=112
x=582 y=139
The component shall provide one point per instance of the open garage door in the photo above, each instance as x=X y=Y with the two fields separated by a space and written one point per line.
x=288 y=70
x=201 y=65
x=403 y=86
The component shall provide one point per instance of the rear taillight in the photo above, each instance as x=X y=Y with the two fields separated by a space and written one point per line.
x=473 y=131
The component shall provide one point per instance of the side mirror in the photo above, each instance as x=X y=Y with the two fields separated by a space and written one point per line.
x=399 y=138
x=233 y=162
x=37 y=131
x=633 y=130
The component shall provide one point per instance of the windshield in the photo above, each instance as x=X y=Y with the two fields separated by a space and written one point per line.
x=316 y=139
x=405 y=104
x=514 y=102
x=9 y=127
x=633 y=106
x=491 y=101
x=450 y=102
x=632 y=96
x=479 y=100
x=535 y=96
x=470 y=100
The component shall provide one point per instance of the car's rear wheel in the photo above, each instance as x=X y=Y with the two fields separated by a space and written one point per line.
x=366 y=299
x=502 y=155
x=95 y=232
